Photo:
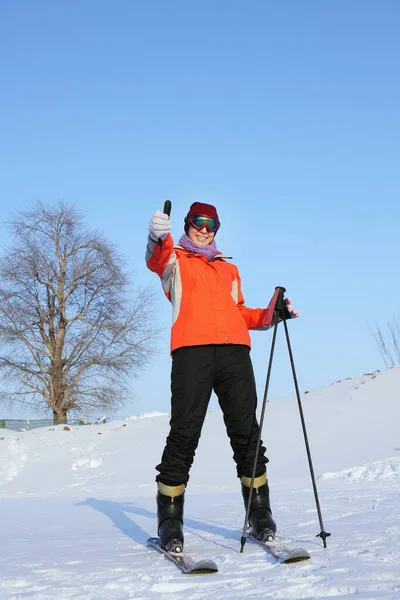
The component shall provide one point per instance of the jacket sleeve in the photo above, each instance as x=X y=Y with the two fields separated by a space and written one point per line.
x=161 y=259
x=255 y=318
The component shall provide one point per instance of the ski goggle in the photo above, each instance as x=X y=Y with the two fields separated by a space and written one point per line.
x=198 y=222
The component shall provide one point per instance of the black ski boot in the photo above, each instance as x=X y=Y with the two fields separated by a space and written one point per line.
x=260 y=516
x=170 y=500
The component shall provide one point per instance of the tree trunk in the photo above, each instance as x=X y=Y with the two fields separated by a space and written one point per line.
x=59 y=418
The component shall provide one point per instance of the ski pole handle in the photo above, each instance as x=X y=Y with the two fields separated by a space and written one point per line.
x=167 y=211
x=167 y=207
x=280 y=306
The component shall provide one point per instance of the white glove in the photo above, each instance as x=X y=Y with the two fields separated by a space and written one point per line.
x=159 y=226
x=294 y=313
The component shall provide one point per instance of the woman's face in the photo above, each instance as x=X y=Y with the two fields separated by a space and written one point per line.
x=202 y=236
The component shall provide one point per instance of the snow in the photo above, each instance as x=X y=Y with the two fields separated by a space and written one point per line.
x=77 y=505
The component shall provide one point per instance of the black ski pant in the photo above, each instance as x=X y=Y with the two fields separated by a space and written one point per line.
x=196 y=371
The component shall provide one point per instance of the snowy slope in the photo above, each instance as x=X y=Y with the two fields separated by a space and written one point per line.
x=77 y=505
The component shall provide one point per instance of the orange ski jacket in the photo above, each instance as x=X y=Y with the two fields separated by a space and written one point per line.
x=206 y=297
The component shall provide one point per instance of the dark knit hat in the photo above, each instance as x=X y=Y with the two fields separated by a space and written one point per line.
x=199 y=209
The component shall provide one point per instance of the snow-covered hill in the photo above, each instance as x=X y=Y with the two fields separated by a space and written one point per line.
x=77 y=505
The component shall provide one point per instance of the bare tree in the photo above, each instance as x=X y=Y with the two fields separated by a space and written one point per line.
x=72 y=331
x=388 y=341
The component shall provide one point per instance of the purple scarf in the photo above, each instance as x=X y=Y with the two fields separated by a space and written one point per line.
x=208 y=251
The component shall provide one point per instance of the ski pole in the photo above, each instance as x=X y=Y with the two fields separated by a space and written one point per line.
x=271 y=356
x=284 y=314
x=281 y=312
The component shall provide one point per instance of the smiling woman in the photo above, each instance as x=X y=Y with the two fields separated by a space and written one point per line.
x=201 y=226
x=210 y=347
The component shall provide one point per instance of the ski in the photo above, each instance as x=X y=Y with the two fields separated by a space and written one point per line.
x=187 y=565
x=280 y=552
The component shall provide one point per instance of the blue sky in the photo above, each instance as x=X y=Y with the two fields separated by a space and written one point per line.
x=284 y=115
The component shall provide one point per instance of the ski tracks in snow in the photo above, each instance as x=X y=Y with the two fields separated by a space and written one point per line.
x=95 y=550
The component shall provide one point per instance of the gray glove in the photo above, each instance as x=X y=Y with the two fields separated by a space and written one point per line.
x=159 y=226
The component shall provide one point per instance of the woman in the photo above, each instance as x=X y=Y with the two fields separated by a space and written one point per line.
x=210 y=347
